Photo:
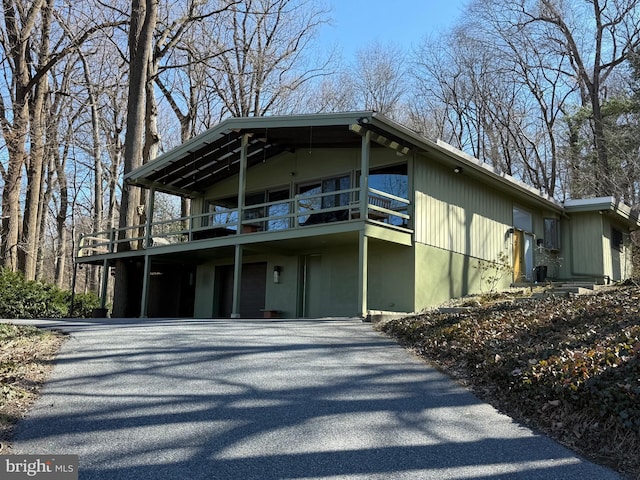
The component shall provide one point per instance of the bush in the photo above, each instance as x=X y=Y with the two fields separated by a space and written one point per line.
x=20 y=298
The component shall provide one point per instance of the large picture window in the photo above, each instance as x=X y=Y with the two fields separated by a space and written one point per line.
x=392 y=179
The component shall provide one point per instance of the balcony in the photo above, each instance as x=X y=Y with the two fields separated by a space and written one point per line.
x=304 y=215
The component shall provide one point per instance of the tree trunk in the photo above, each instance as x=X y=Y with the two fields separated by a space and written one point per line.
x=98 y=177
x=11 y=216
x=35 y=172
x=143 y=21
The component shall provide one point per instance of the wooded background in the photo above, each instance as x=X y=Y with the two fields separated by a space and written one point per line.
x=545 y=90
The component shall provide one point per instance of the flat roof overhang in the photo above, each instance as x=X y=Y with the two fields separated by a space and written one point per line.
x=605 y=205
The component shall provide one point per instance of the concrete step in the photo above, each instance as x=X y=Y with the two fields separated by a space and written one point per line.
x=577 y=288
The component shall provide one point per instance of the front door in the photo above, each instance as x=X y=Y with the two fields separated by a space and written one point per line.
x=519 y=270
x=253 y=289
x=312 y=299
x=522 y=256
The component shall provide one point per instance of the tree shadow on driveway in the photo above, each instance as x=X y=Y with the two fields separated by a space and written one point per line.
x=220 y=399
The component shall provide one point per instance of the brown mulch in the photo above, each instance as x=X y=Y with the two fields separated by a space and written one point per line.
x=26 y=361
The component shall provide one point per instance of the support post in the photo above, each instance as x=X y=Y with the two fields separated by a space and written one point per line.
x=104 y=284
x=237 y=264
x=73 y=287
x=148 y=235
x=237 y=277
x=144 y=300
x=363 y=242
x=364 y=175
x=363 y=272
x=242 y=179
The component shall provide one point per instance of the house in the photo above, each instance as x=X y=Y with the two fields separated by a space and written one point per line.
x=345 y=214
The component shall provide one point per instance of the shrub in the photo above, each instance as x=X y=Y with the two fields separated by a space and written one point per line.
x=20 y=298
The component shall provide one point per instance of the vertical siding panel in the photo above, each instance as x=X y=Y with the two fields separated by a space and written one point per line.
x=456 y=213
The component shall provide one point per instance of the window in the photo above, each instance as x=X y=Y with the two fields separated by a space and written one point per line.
x=278 y=206
x=617 y=240
x=223 y=212
x=551 y=234
x=522 y=220
x=311 y=198
x=392 y=179
x=335 y=185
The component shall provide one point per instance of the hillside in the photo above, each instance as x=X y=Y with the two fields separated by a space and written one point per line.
x=569 y=367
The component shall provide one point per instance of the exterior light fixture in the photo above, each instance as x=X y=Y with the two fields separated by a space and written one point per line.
x=276 y=274
x=457 y=170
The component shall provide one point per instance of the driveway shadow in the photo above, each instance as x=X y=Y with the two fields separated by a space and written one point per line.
x=215 y=399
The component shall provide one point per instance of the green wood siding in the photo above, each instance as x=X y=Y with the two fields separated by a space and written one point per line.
x=457 y=214
x=391 y=277
x=443 y=275
x=585 y=248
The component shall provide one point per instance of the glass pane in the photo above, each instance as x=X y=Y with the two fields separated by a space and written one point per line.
x=395 y=181
x=308 y=200
x=278 y=209
x=335 y=185
x=522 y=220
x=221 y=215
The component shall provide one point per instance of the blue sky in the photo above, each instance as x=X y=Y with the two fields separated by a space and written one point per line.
x=358 y=23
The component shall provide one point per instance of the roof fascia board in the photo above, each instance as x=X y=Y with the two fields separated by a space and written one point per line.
x=603 y=205
x=468 y=161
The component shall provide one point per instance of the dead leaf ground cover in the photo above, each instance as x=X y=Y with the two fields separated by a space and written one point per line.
x=26 y=355
x=568 y=367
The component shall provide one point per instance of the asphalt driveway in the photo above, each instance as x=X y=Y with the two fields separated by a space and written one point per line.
x=267 y=399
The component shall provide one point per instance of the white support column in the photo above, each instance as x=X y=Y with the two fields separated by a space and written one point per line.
x=144 y=300
x=363 y=242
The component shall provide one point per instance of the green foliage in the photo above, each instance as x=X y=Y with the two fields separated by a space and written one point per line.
x=20 y=298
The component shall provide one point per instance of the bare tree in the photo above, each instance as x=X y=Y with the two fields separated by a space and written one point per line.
x=596 y=36
x=378 y=75
x=262 y=43
x=26 y=38
x=144 y=14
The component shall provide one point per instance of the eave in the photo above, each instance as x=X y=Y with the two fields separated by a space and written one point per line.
x=604 y=205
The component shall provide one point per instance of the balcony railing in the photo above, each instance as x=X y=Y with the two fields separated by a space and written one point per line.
x=301 y=211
